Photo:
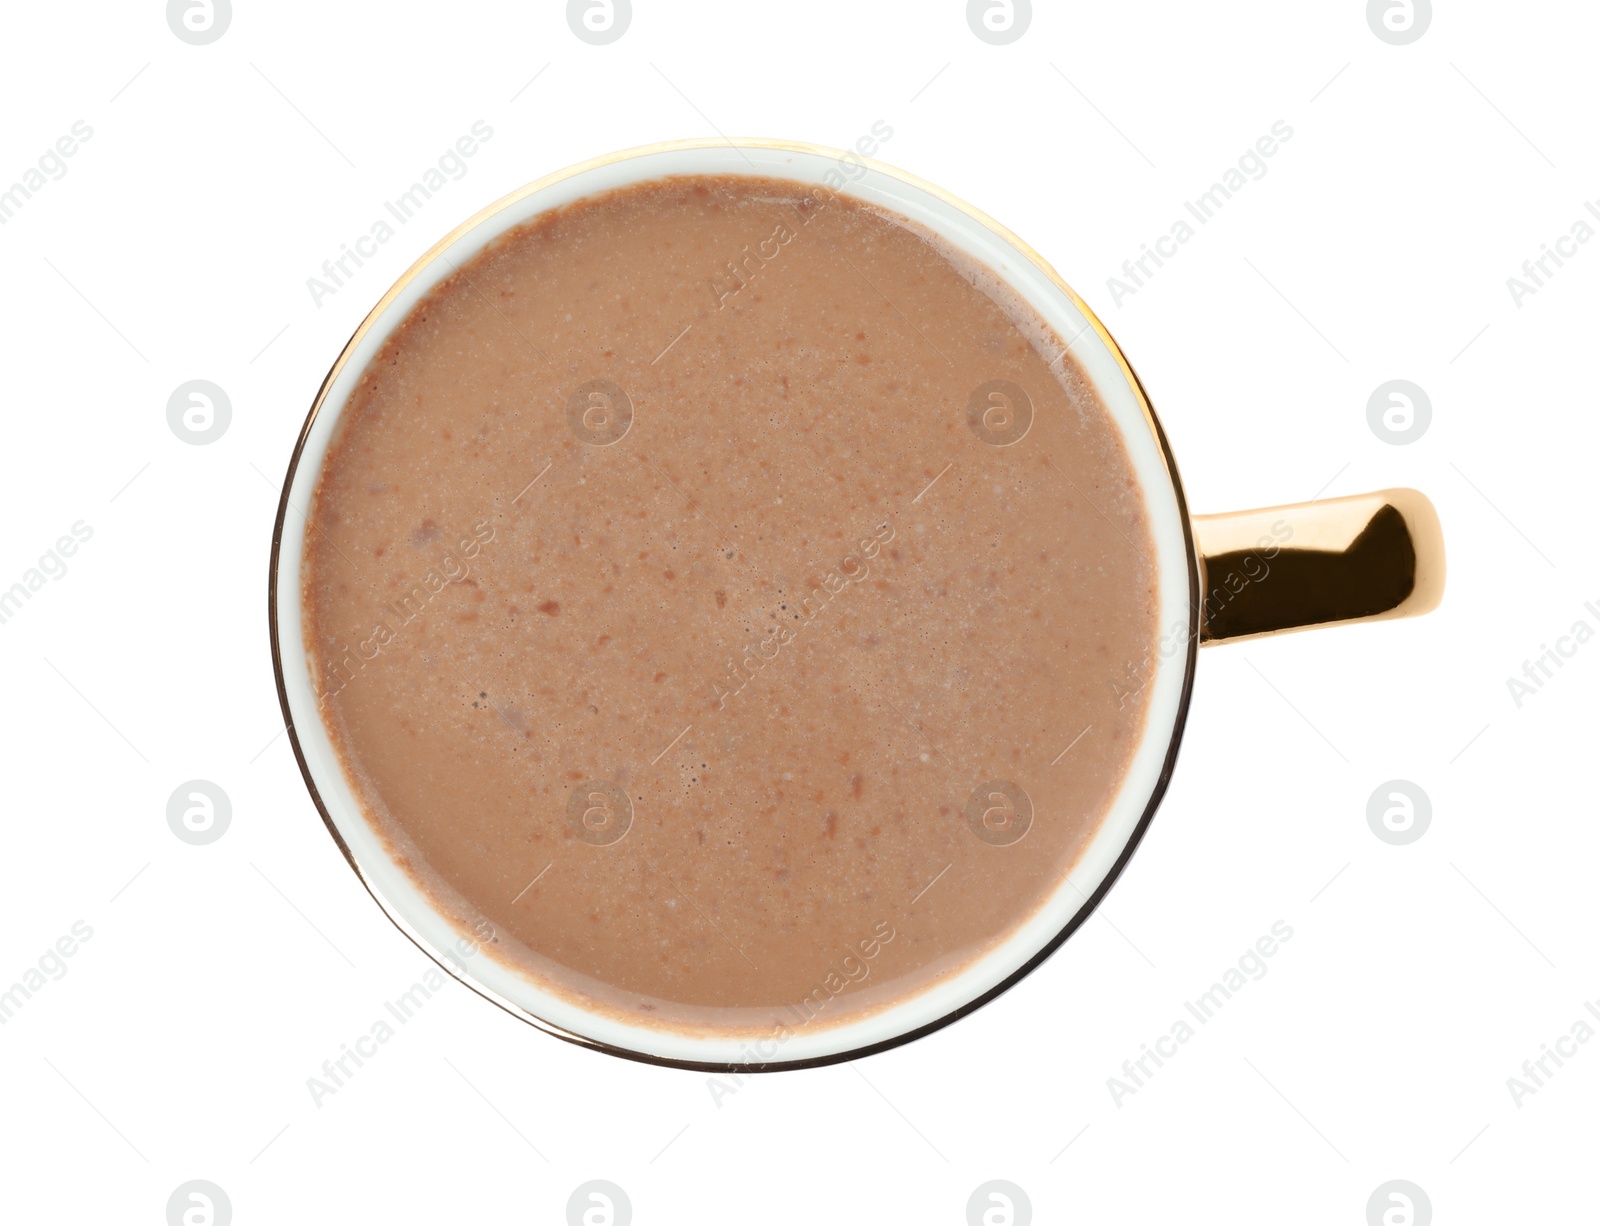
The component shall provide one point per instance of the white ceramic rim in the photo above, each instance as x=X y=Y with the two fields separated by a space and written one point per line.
x=1097 y=354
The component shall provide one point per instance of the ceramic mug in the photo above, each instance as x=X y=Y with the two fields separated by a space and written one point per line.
x=1219 y=577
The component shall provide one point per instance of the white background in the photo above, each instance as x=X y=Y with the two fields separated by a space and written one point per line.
x=1419 y=978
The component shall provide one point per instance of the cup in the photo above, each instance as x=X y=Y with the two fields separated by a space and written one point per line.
x=1219 y=578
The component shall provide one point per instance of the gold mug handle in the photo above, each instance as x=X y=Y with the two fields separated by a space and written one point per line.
x=1368 y=557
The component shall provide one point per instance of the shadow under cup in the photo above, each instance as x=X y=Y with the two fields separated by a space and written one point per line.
x=463 y=943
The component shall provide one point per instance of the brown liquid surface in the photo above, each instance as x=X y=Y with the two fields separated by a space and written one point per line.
x=795 y=618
